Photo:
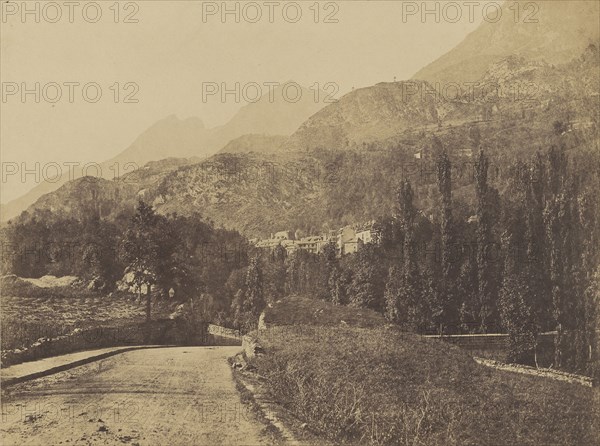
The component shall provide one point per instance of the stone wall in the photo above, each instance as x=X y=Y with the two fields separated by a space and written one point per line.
x=495 y=346
x=217 y=335
x=159 y=332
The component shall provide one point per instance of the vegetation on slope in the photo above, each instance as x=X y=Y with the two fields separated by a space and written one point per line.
x=298 y=310
x=383 y=387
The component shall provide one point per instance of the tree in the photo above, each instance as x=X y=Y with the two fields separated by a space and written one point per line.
x=537 y=260
x=446 y=290
x=394 y=310
x=366 y=288
x=516 y=307
x=274 y=274
x=487 y=279
x=468 y=288
x=330 y=273
x=556 y=221
x=361 y=291
x=147 y=249
x=410 y=298
x=98 y=259
x=339 y=283
x=254 y=298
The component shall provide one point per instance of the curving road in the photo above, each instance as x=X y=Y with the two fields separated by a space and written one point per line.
x=164 y=396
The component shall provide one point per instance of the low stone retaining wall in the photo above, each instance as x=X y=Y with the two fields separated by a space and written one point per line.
x=217 y=335
x=159 y=332
x=546 y=373
x=495 y=346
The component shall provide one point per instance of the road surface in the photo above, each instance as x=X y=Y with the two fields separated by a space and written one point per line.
x=165 y=396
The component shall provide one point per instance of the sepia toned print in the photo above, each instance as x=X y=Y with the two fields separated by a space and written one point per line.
x=300 y=223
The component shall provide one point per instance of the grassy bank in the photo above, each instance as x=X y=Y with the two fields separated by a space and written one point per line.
x=299 y=310
x=381 y=386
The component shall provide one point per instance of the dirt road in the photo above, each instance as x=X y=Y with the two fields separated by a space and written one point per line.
x=166 y=396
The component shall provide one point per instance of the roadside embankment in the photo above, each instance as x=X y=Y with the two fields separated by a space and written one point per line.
x=381 y=386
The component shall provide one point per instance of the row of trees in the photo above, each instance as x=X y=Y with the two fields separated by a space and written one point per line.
x=523 y=259
x=526 y=261
x=140 y=250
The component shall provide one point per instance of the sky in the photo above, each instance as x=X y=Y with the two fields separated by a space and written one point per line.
x=151 y=59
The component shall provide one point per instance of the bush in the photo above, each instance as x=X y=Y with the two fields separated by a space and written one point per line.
x=383 y=387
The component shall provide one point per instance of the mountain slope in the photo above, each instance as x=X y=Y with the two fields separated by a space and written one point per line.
x=368 y=114
x=563 y=29
x=88 y=196
x=278 y=114
x=169 y=137
x=314 y=190
x=173 y=137
x=255 y=143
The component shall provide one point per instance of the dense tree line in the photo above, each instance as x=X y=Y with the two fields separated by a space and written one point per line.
x=143 y=250
x=523 y=261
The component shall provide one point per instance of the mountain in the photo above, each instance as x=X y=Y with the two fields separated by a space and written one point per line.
x=553 y=31
x=342 y=165
x=258 y=190
x=182 y=132
x=87 y=196
x=255 y=143
x=272 y=114
x=368 y=114
x=508 y=88
x=167 y=138
x=279 y=113
x=82 y=198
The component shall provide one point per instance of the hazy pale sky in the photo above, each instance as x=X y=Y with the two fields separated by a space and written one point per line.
x=171 y=51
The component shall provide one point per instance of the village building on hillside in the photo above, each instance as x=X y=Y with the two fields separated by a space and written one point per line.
x=347 y=240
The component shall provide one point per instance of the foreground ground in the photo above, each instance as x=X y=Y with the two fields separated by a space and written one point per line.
x=174 y=396
x=356 y=383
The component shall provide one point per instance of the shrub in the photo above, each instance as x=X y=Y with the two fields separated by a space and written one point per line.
x=384 y=387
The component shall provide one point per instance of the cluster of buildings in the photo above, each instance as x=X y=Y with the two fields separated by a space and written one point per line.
x=347 y=240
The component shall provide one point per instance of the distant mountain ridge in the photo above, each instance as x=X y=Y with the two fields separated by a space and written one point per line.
x=186 y=138
x=343 y=163
x=319 y=188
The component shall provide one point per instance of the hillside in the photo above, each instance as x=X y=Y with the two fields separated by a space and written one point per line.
x=383 y=386
x=172 y=137
x=83 y=198
x=89 y=196
x=508 y=89
x=242 y=191
x=323 y=189
x=562 y=29
x=343 y=164
x=255 y=143
x=368 y=114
